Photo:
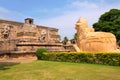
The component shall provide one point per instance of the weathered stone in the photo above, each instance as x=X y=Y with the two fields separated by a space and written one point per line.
x=90 y=41
x=19 y=39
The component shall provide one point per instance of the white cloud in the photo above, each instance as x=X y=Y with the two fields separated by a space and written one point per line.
x=10 y=15
x=66 y=22
x=84 y=4
x=3 y=10
x=68 y=15
x=90 y=10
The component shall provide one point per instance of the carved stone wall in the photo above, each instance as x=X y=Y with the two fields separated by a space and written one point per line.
x=25 y=37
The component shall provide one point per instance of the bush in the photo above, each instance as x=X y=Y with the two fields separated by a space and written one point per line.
x=39 y=52
x=108 y=58
x=99 y=58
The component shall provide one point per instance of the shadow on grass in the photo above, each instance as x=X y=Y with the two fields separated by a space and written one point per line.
x=6 y=65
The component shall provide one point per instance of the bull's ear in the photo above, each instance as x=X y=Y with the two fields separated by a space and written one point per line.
x=77 y=25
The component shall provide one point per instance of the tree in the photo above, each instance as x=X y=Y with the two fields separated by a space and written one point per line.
x=109 y=22
x=74 y=39
x=75 y=36
x=65 y=40
x=59 y=37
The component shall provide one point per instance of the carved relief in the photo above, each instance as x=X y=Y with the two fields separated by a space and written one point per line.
x=20 y=39
x=43 y=36
x=5 y=31
x=1 y=43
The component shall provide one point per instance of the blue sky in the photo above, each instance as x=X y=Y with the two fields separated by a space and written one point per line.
x=61 y=14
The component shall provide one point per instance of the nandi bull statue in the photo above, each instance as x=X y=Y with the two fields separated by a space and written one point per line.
x=90 y=41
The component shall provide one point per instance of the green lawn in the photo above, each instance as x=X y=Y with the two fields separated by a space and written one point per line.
x=48 y=70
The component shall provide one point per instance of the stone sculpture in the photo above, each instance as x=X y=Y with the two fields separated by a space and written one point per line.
x=90 y=41
x=6 y=31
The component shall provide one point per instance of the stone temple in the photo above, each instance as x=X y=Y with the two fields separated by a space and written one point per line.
x=21 y=40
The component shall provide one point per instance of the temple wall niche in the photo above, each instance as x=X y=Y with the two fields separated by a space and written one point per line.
x=54 y=36
x=20 y=34
x=21 y=40
x=44 y=35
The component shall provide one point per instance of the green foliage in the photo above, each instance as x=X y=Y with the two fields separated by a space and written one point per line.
x=40 y=52
x=75 y=36
x=65 y=40
x=109 y=22
x=74 y=39
x=96 y=58
x=59 y=37
x=49 y=70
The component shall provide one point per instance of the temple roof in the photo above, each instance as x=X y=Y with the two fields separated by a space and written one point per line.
x=21 y=23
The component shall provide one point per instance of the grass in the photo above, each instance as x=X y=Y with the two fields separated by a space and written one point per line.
x=48 y=70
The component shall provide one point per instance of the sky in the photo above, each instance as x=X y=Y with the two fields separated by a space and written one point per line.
x=61 y=14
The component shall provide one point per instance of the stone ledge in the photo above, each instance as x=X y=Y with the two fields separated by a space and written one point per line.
x=39 y=44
